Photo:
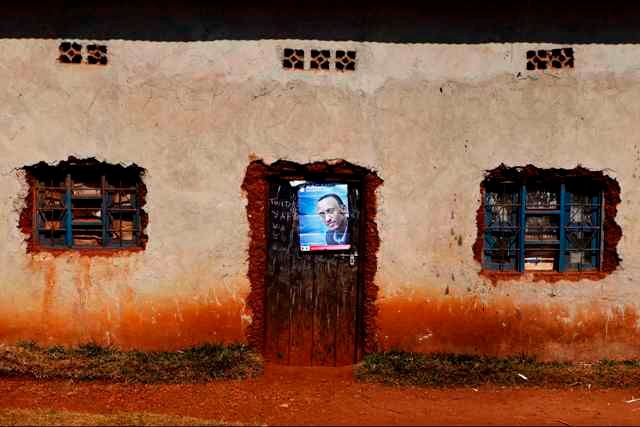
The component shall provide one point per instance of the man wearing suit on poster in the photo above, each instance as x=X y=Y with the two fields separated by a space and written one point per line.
x=335 y=217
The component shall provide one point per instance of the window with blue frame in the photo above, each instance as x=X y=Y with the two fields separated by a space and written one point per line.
x=87 y=205
x=553 y=225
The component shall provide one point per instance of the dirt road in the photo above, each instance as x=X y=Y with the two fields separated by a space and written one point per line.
x=331 y=396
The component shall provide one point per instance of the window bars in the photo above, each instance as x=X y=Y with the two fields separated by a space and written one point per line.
x=549 y=227
x=81 y=214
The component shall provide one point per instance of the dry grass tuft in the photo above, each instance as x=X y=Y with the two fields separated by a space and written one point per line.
x=439 y=369
x=93 y=362
x=39 y=417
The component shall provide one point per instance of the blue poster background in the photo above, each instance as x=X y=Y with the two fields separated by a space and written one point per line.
x=311 y=228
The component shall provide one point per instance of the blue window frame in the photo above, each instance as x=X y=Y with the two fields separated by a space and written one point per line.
x=547 y=226
x=87 y=213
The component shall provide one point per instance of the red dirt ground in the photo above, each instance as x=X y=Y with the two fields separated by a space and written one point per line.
x=286 y=395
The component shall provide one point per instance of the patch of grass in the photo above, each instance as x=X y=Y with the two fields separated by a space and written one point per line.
x=24 y=417
x=93 y=362
x=442 y=369
x=27 y=345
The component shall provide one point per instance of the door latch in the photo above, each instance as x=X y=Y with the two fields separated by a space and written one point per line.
x=352 y=260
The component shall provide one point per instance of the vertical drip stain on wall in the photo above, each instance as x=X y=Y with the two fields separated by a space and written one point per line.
x=83 y=289
x=48 y=295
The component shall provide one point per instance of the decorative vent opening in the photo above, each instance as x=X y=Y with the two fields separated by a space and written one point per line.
x=320 y=59
x=345 y=60
x=550 y=59
x=293 y=59
x=97 y=54
x=70 y=53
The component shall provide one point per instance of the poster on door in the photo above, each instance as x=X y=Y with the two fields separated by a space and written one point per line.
x=323 y=217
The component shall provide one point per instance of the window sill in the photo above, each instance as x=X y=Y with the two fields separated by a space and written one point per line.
x=541 y=276
x=93 y=252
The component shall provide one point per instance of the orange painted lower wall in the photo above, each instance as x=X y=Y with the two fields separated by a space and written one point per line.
x=153 y=326
x=501 y=327
x=78 y=299
x=434 y=324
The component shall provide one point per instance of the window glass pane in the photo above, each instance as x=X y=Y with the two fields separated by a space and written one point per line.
x=542 y=198
x=583 y=209
x=583 y=227
x=123 y=225
x=542 y=228
x=501 y=250
x=502 y=205
x=51 y=213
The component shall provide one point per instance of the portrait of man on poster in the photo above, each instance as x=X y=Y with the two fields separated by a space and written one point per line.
x=323 y=216
x=335 y=217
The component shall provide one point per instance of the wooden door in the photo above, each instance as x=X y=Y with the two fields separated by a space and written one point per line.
x=312 y=299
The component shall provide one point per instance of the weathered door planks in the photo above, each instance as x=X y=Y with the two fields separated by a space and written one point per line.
x=311 y=298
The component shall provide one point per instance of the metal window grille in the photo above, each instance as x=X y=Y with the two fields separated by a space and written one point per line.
x=75 y=214
x=557 y=228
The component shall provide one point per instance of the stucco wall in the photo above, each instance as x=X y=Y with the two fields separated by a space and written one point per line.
x=429 y=119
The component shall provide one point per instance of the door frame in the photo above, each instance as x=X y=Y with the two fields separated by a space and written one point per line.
x=256 y=188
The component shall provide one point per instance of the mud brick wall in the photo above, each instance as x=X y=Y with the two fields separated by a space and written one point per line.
x=429 y=119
